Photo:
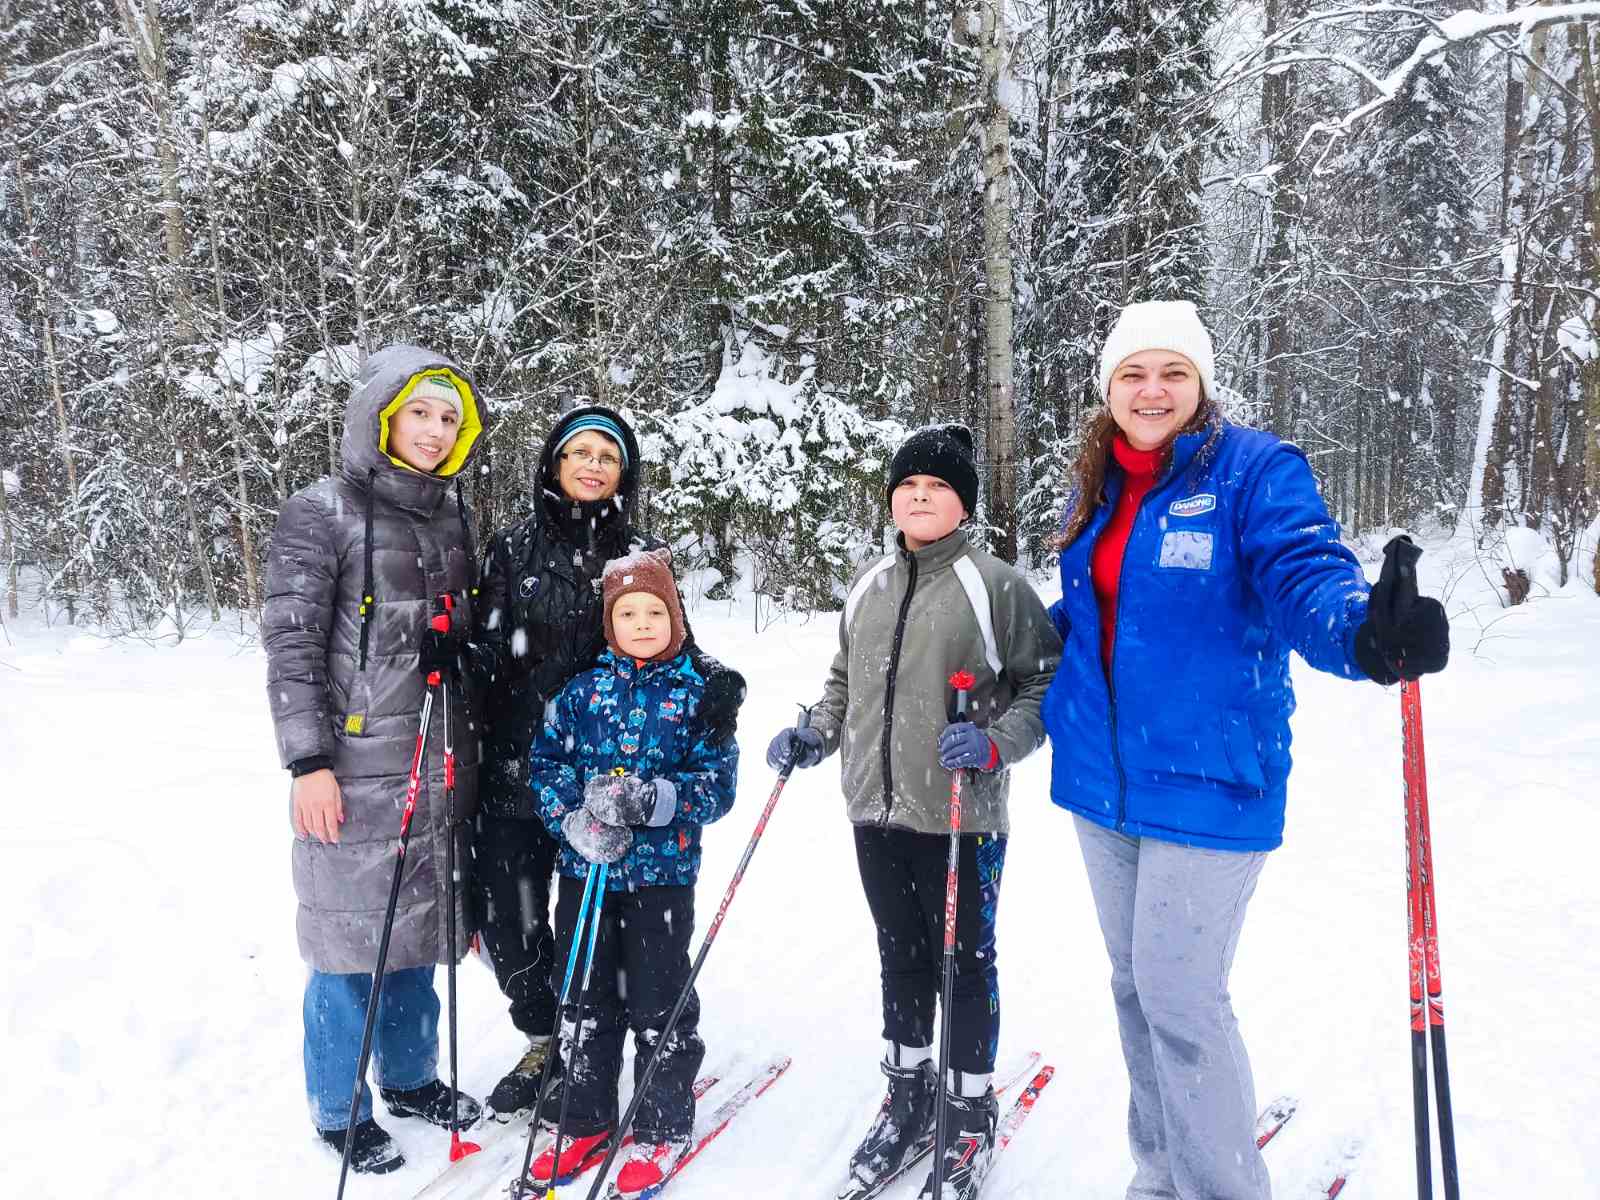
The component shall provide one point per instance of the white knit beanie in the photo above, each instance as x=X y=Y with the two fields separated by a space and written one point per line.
x=441 y=388
x=1160 y=325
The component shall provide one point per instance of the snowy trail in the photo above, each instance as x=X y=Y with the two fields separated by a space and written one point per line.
x=152 y=983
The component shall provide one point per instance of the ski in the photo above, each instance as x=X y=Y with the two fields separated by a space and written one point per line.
x=920 y=1150
x=501 y=1154
x=1020 y=1108
x=1337 y=1171
x=1273 y=1118
x=707 y=1132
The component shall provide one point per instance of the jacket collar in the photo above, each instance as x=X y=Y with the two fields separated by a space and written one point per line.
x=936 y=555
x=630 y=668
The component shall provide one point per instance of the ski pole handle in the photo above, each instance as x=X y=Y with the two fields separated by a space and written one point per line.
x=801 y=722
x=960 y=684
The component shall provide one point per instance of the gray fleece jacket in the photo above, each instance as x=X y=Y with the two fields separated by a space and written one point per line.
x=913 y=619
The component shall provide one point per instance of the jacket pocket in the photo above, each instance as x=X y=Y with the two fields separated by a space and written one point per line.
x=1239 y=739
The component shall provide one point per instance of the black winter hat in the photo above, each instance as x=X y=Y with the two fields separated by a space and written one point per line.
x=943 y=451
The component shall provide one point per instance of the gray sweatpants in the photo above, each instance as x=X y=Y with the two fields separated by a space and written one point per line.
x=1171 y=916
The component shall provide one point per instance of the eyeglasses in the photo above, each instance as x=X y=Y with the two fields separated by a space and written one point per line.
x=609 y=462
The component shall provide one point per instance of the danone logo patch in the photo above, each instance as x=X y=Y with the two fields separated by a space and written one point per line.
x=1193 y=506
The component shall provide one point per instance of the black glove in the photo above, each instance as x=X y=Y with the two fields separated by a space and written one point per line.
x=594 y=839
x=804 y=743
x=438 y=652
x=1405 y=636
x=624 y=799
x=724 y=693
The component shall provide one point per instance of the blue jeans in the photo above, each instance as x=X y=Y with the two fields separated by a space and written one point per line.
x=405 y=1039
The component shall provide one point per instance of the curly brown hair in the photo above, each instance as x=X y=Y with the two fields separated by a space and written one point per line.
x=1094 y=458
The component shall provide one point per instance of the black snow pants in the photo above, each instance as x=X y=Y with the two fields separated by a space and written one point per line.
x=640 y=965
x=903 y=874
x=512 y=864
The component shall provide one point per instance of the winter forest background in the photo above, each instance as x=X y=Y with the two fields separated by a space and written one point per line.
x=777 y=233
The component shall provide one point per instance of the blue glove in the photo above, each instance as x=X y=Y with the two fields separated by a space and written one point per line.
x=963 y=745
x=805 y=744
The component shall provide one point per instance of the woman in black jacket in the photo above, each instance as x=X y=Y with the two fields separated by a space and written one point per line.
x=539 y=624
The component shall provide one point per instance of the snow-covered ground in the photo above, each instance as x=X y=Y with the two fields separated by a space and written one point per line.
x=151 y=989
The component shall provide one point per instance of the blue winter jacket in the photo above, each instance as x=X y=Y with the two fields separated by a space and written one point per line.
x=644 y=720
x=1232 y=562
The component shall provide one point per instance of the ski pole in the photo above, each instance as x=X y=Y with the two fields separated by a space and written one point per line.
x=678 y=1006
x=1426 y=1000
x=577 y=1027
x=1428 y=968
x=960 y=682
x=458 y=1148
x=413 y=785
x=555 y=1033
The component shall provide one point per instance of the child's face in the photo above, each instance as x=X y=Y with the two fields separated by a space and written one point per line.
x=925 y=509
x=423 y=433
x=641 y=624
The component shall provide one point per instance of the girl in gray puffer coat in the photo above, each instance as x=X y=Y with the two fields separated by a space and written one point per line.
x=356 y=564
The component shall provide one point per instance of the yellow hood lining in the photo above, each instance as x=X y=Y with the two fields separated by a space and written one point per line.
x=471 y=423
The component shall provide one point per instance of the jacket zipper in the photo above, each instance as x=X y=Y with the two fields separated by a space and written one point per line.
x=888 y=694
x=1111 y=667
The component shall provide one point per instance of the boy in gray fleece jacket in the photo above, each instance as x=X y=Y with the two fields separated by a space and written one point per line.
x=935 y=606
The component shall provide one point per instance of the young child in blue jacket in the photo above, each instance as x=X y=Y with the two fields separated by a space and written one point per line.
x=1195 y=555
x=625 y=772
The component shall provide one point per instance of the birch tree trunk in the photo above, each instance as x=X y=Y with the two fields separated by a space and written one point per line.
x=1589 y=372
x=8 y=546
x=997 y=273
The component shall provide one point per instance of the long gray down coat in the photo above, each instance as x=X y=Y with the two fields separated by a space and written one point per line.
x=324 y=703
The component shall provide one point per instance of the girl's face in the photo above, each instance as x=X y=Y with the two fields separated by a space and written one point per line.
x=641 y=624
x=589 y=467
x=925 y=509
x=1152 y=395
x=423 y=433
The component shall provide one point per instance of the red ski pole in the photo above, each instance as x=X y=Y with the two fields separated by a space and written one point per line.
x=1425 y=937
x=458 y=1148
x=1426 y=1001
x=413 y=786
x=960 y=683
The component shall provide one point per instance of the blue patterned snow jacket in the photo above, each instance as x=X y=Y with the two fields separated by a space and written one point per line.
x=643 y=719
x=1232 y=562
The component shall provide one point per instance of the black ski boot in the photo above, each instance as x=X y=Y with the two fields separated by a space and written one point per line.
x=969 y=1125
x=519 y=1089
x=902 y=1129
x=373 y=1153
x=431 y=1102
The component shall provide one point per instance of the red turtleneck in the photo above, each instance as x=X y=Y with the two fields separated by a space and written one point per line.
x=1105 y=562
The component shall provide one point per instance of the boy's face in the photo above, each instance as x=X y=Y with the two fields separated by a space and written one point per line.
x=423 y=433
x=641 y=624
x=925 y=509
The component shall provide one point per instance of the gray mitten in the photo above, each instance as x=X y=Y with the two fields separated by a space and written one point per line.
x=597 y=840
x=619 y=799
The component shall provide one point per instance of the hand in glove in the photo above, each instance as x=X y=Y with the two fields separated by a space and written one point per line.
x=964 y=745
x=803 y=742
x=629 y=800
x=1405 y=635
x=597 y=840
x=438 y=652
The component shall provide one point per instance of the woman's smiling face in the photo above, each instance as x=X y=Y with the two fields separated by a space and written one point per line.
x=1152 y=395
x=589 y=467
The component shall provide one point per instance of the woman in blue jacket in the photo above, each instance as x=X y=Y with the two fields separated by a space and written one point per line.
x=1195 y=555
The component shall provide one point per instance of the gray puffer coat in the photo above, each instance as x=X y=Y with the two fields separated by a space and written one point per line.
x=344 y=687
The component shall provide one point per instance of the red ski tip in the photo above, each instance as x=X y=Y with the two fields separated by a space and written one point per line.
x=963 y=680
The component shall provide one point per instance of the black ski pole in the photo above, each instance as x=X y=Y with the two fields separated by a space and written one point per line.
x=960 y=682
x=458 y=1148
x=699 y=961
x=413 y=785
